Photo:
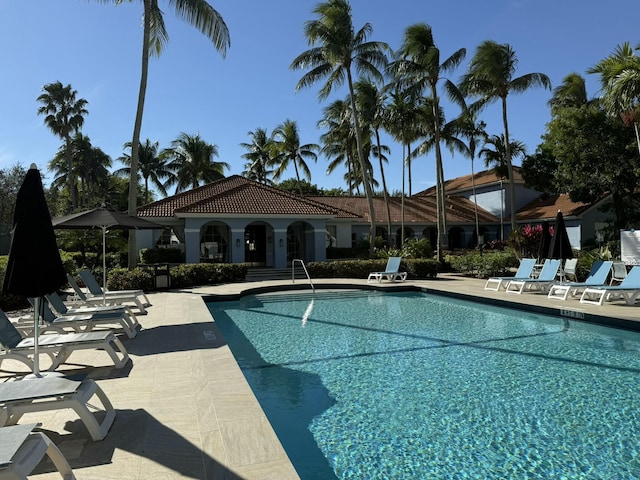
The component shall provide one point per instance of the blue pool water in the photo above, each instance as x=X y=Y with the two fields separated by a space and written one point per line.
x=371 y=385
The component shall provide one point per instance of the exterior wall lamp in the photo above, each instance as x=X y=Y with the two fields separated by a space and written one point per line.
x=281 y=242
x=237 y=243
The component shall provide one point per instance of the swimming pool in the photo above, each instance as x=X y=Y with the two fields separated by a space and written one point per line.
x=372 y=385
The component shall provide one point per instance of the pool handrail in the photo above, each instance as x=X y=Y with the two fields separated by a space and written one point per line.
x=304 y=267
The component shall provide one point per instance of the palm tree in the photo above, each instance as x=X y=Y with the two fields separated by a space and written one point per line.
x=64 y=115
x=401 y=122
x=151 y=166
x=370 y=101
x=336 y=49
x=419 y=71
x=338 y=142
x=286 y=141
x=571 y=93
x=620 y=80
x=192 y=162
x=89 y=168
x=199 y=14
x=260 y=156
x=474 y=131
x=491 y=76
x=495 y=153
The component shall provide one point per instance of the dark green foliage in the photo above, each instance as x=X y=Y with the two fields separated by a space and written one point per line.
x=483 y=266
x=195 y=274
x=416 y=269
x=125 y=279
x=334 y=253
x=161 y=255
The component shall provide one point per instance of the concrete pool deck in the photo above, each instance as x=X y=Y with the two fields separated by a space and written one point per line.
x=184 y=409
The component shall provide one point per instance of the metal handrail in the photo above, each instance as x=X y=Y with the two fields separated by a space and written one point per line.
x=293 y=272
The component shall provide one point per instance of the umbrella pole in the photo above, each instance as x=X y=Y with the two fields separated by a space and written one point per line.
x=36 y=333
x=104 y=265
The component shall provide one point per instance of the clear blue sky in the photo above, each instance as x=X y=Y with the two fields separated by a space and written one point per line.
x=97 y=48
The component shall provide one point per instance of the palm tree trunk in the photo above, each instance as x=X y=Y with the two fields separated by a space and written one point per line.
x=440 y=203
x=70 y=176
x=384 y=189
x=475 y=202
x=365 y=171
x=137 y=127
x=635 y=127
x=295 y=166
x=507 y=150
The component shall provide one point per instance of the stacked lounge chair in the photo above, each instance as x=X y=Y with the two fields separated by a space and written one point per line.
x=597 y=277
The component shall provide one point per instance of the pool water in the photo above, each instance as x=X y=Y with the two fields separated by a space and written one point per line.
x=372 y=385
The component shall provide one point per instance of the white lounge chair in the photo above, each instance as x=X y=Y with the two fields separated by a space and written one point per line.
x=56 y=393
x=525 y=271
x=87 y=318
x=629 y=290
x=618 y=274
x=87 y=298
x=137 y=296
x=541 y=284
x=569 y=269
x=22 y=449
x=391 y=272
x=57 y=347
x=597 y=277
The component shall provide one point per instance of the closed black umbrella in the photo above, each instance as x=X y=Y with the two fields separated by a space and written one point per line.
x=546 y=240
x=103 y=218
x=560 y=247
x=34 y=267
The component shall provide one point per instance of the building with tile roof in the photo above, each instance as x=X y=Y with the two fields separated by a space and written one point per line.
x=239 y=220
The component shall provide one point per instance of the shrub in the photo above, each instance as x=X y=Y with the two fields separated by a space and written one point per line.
x=415 y=268
x=134 y=279
x=485 y=265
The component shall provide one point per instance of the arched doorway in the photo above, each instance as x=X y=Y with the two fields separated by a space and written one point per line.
x=255 y=244
x=300 y=242
x=214 y=243
x=431 y=233
x=456 y=237
x=408 y=233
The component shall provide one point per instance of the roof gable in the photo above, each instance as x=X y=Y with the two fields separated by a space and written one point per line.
x=239 y=196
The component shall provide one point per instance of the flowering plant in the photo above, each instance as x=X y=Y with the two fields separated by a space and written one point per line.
x=527 y=241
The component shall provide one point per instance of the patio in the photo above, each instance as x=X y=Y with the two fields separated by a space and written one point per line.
x=184 y=409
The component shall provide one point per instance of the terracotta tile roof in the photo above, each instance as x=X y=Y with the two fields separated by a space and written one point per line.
x=547 y=208
x=417 y=210
x=240 y=196
x=486 y=177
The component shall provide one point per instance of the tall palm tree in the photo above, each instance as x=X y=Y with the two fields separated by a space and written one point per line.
x=286 y=141
x=473 y=130
x=208 y=21
x=89 y=167
x=370 y=101
x=260 y=156
x=336 y=48
x=491 y=77
x=191 y=160
x=572 y=92
x=64 y=115
x=401 y=122
x=620 y=80
x=495 y=153
x=419 y=70
x=338 y=141
x=152 y=165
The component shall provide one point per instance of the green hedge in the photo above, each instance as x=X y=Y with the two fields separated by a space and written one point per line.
x=416 y=269
x=485 y=265
x=182 y=276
